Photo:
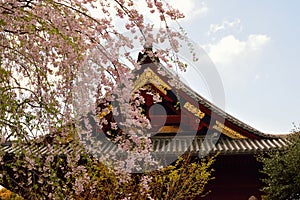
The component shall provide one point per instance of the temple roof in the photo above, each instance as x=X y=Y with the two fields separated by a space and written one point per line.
x=228 y=125
x=238 y=137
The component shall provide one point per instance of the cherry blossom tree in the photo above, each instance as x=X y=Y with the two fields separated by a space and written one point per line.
x=45 y=46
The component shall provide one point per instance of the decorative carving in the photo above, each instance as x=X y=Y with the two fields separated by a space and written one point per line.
x=227 y=131
x=193 y=109
x=148 y=76
x=168 y=129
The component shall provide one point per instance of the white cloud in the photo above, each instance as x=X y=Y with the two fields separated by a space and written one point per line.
x=225 y=25
x=229 y=48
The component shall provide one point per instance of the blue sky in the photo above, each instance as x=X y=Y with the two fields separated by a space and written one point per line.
x=255 y=48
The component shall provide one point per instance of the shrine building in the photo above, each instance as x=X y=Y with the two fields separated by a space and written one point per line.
x=193 y=125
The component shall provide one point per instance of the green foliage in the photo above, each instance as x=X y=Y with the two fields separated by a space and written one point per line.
x=183 y=180
x=282 y=170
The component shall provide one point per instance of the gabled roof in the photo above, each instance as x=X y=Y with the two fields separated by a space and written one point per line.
x=194 y=102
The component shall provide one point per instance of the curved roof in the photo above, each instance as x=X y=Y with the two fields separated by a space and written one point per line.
x=235 y=124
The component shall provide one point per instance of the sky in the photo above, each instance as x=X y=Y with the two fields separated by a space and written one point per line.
x=254 y=45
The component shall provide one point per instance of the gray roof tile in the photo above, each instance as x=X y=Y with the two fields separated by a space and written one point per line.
x=178 y=145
